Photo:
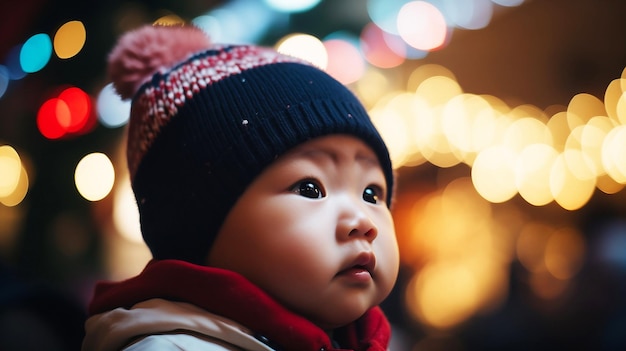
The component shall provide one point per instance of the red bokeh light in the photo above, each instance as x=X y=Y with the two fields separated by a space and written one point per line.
x=376 y=50
x=79 y=104
x=49 y=116
x=70 y=113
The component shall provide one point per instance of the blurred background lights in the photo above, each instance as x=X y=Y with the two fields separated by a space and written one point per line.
x=400 y=47
x=426 y=25
x=612 y=246
x=613 y=155
x=35 y=53
x=239 y=21
x=113 y=112
x=79 y=105
x=210 y=25
x=508 y=3
x=372 y=85
x=552 y=256
x=10 y=168
x=384 y=13
x=473 y=14
x=443 y=294
x=4 y=79
x=304 y=46
x=611 y=97
x=94 y=176
x=570 y=191
x=375 y=48
x=13 y=63
x=422 y=25
x=532 y=173
x=69 y=113
x=462 y=264
x=493 y=174
x=125 y=212
x=51 y=117
x=292 y=5
x=13 y=177
x=344 y=61
x=69 y=39
x=169 y=20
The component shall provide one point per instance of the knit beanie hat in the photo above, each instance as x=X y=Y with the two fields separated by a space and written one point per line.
x=207 y=119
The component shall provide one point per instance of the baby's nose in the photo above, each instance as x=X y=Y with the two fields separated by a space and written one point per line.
x=355 y=222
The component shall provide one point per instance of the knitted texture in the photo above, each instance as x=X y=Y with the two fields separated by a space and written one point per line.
x=202 y=129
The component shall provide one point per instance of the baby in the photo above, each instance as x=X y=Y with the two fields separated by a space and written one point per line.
x=263 y=191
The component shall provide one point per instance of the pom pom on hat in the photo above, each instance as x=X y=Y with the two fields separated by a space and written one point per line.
x=207 y=119
x=144 y=51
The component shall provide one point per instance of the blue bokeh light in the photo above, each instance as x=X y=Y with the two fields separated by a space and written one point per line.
x=35 y=53
x=13 y=63
x=292 y=5
x=112 y=111
x=4 y=80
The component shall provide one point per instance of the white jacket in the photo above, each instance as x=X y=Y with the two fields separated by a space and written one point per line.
x=134 y=315
x=159 y=324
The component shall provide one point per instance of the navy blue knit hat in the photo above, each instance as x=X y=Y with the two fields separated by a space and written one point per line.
x=205 y=122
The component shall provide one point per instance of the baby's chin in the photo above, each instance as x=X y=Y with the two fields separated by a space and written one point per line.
x=336 y=319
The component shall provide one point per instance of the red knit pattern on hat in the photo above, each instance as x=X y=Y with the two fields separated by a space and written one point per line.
x=144 y=51
x=158 y=103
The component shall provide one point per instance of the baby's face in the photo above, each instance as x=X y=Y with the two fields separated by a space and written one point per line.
x=314 y=231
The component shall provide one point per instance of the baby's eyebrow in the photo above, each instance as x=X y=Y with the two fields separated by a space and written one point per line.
x=361 y=157
x=369 y=159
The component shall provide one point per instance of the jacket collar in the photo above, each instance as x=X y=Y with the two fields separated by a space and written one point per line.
x=230 y=295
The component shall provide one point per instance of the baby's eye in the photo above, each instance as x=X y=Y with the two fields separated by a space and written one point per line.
x=308 y=188
x=372 y=194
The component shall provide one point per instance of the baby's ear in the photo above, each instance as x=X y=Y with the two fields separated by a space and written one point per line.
x=142 y=52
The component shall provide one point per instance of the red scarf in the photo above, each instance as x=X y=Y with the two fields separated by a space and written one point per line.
x=230 y=295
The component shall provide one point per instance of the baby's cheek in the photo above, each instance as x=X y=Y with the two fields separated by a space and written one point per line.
x=389 y=259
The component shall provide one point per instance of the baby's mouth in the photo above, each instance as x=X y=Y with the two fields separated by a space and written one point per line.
x=361 y=267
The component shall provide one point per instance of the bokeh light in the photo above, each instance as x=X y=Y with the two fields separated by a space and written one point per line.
x=612 y=96
x=13 y=64
x=70 y=113
x=13 y=177
x=551 y=255
x=508 y=3
x=422 y=25
x=375 y=48
x=169 y=20
x=125 y=212
x=569 y=190
x=52 y=115
x=473 y=14
x=239 y=21
x=611 y=248
x=344 y=61
x=79 y=105
x=532 y=173
x=292 y=5
x=94 y=176
x=304 y=46
x=384 y=13
x=10 y=165
x=4 y=80
x=113 y=112
x=35 y=53
x=69 y=39
x=400 y=47
x=493 y=174
x=613 y=155
x=462 y=263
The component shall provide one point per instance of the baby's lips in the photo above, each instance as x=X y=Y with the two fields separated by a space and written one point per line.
x=364 y=260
